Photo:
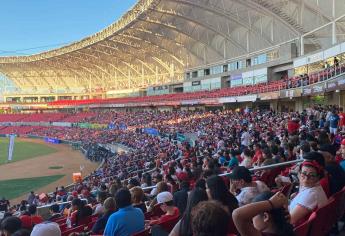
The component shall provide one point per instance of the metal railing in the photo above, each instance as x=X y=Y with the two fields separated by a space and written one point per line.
x=252 y=169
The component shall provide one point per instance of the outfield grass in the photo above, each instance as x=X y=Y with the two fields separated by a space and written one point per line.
x=14 y=188
x=23 y=150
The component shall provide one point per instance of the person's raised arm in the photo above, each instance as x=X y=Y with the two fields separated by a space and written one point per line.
x=243 y=216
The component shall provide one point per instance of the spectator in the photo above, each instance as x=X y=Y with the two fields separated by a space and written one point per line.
x=209 y=218
x=333 y=122
x=157 y=179
x=127 y=220
x=233 y=159
x=45 y=229
x=138 y=198
x=146 y=180
x=335 y=173
x=109 y=209
x=247 y=158
x=267 y=157
x=183 y=227
x=265 y=216
x=29 y=219
x=22 y=232
x=241 y=183
x=180 y=197
x=31 y=198
x=54 y=211
x=166 y=203
x=80 y=212
x=101 y=196
x=161 y=187
x=10 y=225
x=310 y=195
x=245 y=138
x=217 y=190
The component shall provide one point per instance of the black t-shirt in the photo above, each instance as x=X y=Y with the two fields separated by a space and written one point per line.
x=337 y=177
x=141 y=206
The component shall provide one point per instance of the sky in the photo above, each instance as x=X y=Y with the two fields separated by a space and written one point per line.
x=32 y=26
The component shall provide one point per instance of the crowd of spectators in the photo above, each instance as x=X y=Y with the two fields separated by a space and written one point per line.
x=171 y=186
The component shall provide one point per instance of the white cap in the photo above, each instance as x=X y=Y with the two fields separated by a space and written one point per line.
x=164 y=197
x=46 y=228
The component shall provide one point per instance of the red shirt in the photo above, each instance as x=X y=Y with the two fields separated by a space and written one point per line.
x=341 y=119
x=165 y=218
x=257 y=155
x=292 y=127
x=29 y=221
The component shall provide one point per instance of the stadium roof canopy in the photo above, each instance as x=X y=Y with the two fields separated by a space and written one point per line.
x=156 y=40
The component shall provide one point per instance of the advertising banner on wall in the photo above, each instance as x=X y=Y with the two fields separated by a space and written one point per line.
x=62 y=124
x=269 y=96
x=337 y=83
x=99 y=126
x=291 y=93
x=314 y=89
x=247 y=98
x=341 y=82
x=227 y=100
x=331 y=85
x=52 y=140
x=189 y=102
x=84 y=125
x=212 y=101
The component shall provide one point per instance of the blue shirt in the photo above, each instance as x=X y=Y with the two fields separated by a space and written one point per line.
x=125 y=222
x=233 y=162
x=333 y=121
x=222 y=160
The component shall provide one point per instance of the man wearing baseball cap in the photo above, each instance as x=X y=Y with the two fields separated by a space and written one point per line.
x=166 y=203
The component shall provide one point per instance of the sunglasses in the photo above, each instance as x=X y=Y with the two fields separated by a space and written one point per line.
x=309 y=175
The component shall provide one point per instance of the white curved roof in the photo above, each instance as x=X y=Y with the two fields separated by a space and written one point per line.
x=155 y=41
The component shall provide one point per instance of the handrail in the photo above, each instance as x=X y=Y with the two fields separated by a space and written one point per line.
x=252 y=169
x=58 y=203
x=269 y=166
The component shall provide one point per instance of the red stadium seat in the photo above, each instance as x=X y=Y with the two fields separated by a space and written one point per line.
x=169 y=224
x=339 y=199
x=304 y=228
x=77 y=229
x=323 y=222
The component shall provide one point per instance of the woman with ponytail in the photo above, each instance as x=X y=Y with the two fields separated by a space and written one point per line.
x=266 y=216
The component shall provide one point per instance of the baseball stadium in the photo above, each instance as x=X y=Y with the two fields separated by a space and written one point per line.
x=180 y=118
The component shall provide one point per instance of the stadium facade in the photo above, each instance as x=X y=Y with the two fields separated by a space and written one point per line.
x=172 y=46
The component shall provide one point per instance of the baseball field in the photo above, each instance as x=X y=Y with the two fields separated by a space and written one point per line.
x=38 y=166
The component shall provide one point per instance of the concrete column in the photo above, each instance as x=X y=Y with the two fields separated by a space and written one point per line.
x=274 y=105
x=299 y=105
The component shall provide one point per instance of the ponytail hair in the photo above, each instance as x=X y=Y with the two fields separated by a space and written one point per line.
x=278 y=216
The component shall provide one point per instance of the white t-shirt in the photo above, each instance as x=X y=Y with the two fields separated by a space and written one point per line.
x=246 y=162
x=310 y=198
x=249 y=193
x=99 y=209
x=245 y=139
